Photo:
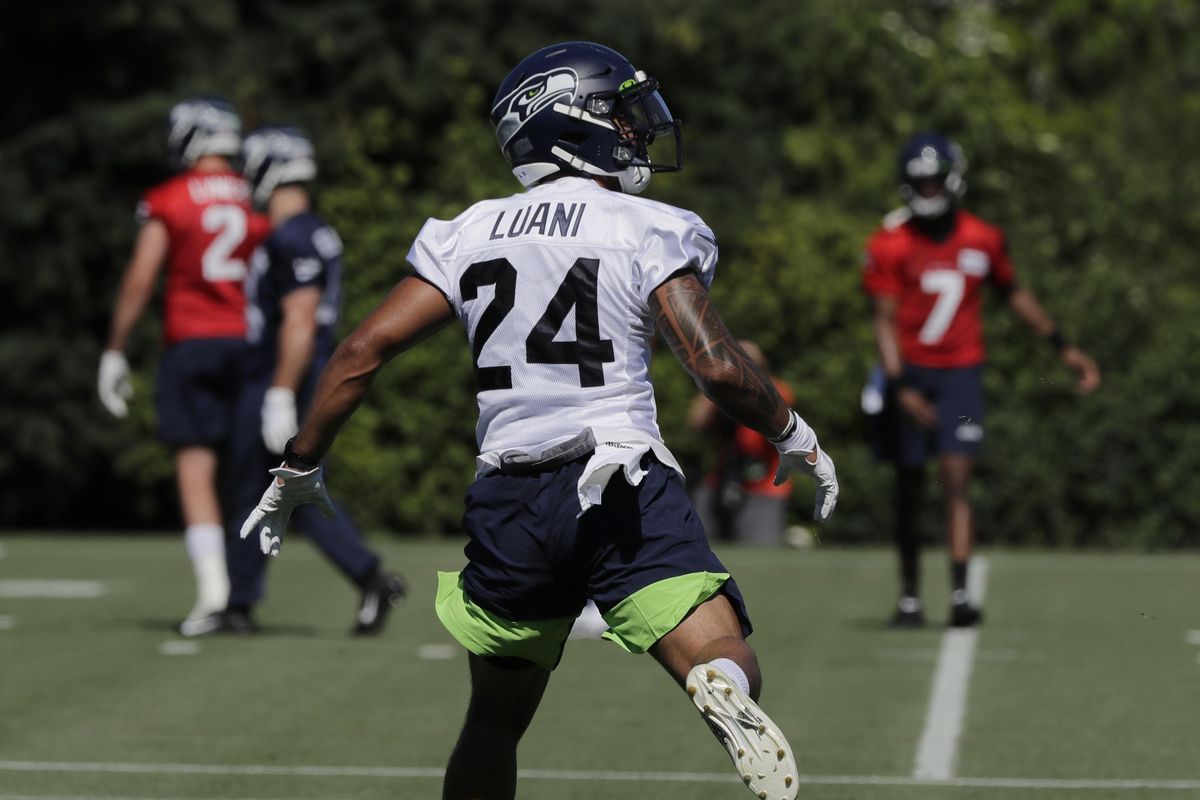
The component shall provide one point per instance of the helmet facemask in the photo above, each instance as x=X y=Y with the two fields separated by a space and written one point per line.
x=930 y=167
x=648 y=139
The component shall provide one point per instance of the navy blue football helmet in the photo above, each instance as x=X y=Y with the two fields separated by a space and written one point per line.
x=202 y=126
x=274 y=156
x=931 y=161
x=582 y=109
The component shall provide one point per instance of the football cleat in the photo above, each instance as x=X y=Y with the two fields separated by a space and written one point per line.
x=909 y=614
x=238 y=621
x=964 y=615
x=383 y=592
x=758 y=748
x=200 y=624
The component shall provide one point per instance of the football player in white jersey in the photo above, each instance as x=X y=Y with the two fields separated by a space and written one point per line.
x=561 y=289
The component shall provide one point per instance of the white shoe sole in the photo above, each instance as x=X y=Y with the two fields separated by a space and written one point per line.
x=200 y=625
x=758 y=748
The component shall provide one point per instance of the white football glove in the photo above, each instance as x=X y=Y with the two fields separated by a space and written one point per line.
x=113 y=384
x=278 y=418
x=289 y=489
x=794 y=449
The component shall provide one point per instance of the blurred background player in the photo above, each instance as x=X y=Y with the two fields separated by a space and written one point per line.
x=560 y=289
x=293 y=302
x=925 y=270
x=199 y=224
x=738 y=499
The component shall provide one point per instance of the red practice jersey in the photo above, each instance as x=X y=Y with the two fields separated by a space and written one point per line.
x=212 y=232
x=938 y=287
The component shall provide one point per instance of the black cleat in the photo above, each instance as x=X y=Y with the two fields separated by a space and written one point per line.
x=238 y=621
x=909 y=614
x=964 y=615
x=383 y=592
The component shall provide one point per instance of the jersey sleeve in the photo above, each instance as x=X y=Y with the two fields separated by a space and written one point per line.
x=258 y=228
x=431 y=256
x=675 y=242
x=879 y=278
x=302 y=258
x=152 y=205
x=1002 y=274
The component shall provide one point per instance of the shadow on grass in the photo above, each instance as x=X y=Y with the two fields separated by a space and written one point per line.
x=171 y=626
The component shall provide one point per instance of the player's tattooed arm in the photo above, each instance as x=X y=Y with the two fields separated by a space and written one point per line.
x=689 y=323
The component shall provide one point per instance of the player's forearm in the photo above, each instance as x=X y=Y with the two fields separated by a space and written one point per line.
x=296 y=344
x=1030 y=311
x=412 y=311
x=887 y=342
x=340 y=390
x=131 y=302
x=689 y=323
x=149 y=253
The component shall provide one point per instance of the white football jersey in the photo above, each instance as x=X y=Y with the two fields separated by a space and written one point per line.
x=553 y=286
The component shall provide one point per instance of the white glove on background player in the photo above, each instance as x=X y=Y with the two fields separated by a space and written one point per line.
x=290 y=489
x=113 y=384
x=798 y=443
x=278 y=418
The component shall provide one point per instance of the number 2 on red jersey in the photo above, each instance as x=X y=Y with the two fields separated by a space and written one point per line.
x=228 y=222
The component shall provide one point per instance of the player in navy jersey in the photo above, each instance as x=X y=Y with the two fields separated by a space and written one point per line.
x=576 y=497
x=925 y=271
x=293 y=301
x=200 y=226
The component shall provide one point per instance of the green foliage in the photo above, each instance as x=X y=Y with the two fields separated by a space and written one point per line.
x=1073 y=115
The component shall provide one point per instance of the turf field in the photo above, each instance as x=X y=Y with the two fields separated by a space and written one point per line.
x=1083 y=684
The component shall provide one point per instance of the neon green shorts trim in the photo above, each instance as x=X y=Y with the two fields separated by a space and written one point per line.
x=635 y=624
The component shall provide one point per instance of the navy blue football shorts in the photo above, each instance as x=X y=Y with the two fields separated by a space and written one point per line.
x=958 y=395
x=641 y=555
x=197 y=389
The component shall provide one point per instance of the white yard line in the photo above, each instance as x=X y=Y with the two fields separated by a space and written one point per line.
x=71 y=590
x=937 y=752
x=437 y=652
x=560 y=775
x=179 y=647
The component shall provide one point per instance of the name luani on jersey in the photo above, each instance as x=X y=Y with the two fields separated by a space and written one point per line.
x=538 y=219
x=553 y=286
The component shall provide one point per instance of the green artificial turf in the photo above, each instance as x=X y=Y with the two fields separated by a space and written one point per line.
x=1083 y=671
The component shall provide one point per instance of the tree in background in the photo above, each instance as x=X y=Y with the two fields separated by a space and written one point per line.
x=1073 y=115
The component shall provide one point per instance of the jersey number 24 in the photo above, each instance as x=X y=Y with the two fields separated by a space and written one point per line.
x=578 y=290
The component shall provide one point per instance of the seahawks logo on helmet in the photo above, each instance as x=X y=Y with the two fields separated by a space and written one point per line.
x=535 y=93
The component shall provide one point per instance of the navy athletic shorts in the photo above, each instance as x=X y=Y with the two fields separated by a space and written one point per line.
x=641 y=555
x=197 y=389
x=958 y=394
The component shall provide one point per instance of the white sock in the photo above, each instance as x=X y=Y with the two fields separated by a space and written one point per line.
x=206 y=548
x=734 y=672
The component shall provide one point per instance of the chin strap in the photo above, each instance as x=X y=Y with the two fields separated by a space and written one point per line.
x=632 y=180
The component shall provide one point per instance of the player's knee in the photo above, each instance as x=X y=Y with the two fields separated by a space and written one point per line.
x=956 y=490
